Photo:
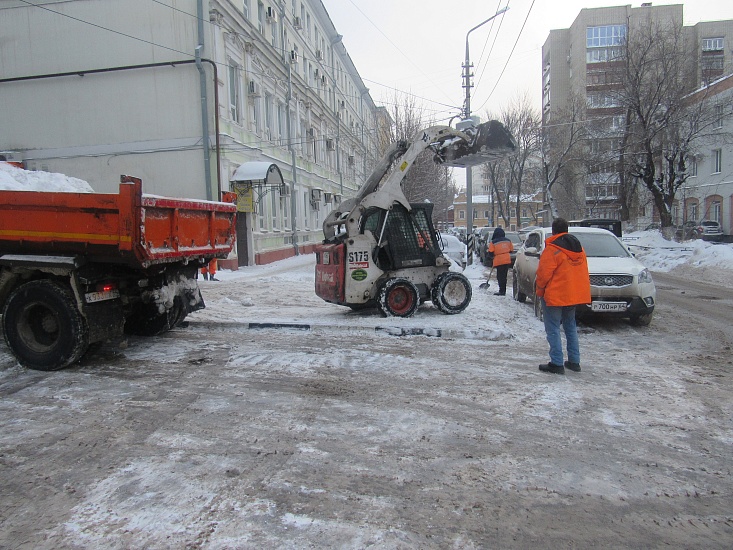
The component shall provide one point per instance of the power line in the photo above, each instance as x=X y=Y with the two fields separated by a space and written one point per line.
x=397 y=48
x=508 y=58
x=496 y=36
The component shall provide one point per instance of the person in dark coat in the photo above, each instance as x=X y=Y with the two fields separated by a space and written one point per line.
x=500 y=248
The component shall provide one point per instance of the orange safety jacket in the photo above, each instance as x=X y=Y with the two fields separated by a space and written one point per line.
x=501 y=250
x=562 y=273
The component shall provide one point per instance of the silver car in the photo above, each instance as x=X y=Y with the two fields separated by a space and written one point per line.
x=453 y=248
x=619 y=284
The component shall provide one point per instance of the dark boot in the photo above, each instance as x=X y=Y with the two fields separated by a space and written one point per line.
x=206 y=276
x=553 y=368
x=575 y=367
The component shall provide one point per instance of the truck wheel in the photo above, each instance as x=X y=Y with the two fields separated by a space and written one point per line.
x=451 y=292
x=517 y=294
x=43 y=326
x=398 y=298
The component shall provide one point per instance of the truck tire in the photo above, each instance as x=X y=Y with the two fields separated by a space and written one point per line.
x=43 y=326
x=398 y=298
x=451 y=292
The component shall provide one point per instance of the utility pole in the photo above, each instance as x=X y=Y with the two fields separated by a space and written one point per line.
x=469 y=122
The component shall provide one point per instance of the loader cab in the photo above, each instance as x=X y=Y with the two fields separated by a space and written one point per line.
x=404 y=239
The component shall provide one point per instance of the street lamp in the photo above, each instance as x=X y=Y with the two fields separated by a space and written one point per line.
x=469 y=122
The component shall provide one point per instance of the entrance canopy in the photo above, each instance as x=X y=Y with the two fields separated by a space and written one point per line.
x=258 y=173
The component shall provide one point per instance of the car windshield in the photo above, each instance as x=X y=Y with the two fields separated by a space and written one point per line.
x=600 y=245
x=710 y=224
x=514 y=237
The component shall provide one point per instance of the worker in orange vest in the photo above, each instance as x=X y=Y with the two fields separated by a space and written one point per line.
x=208 y=271
x=500 y=249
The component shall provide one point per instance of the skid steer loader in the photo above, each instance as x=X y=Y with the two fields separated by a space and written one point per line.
x=380 y=250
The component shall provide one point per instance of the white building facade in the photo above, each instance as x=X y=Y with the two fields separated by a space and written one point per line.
x=708 y=192
x=184 y=92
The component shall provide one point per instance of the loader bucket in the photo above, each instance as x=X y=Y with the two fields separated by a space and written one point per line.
x=491 y=142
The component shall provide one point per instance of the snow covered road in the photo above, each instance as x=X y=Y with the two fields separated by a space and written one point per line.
x=345 y=436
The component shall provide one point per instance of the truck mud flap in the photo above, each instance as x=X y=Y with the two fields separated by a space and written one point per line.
x=106 y=320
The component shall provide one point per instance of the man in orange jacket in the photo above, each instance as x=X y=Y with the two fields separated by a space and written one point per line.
x=500 y=248
x=562 y=283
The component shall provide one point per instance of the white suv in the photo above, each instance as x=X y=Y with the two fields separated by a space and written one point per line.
x=619 y=284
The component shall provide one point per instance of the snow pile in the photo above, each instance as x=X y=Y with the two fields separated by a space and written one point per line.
x=659 y=254
x=17 y=179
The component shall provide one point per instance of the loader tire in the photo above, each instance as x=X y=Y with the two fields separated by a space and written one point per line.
x=451 y=292
x=43 y=326
x=398 y=298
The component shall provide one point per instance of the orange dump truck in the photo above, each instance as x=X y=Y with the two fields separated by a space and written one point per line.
x=80 y=268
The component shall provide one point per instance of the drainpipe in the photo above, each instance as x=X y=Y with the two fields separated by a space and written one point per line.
x=204 y=101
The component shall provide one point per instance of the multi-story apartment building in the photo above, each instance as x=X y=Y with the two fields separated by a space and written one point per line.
x=191 y=95
x=578 y=62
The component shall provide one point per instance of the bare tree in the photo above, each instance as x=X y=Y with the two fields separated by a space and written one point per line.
x=508 y=177
x=562 y=152
x=426 y=181
x=665 y=123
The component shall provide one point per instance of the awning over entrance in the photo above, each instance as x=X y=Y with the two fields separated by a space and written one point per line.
x=258 y=173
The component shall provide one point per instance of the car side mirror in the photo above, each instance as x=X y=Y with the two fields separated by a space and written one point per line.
x=531 y=251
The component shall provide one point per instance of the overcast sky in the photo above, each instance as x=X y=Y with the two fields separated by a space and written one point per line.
x=418 y=46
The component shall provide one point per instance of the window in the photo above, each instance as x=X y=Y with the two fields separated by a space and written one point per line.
x=285 y=205
x=718 y=117
x=273 y=27
x=461 y=214
x=693 y=167
x=269 y=127
x=261 y=17
x=715 y=211
x=486 y=214
x=608 y=35
x=275 y=206
x=281 y=130
x=717 y=161
x=712 y=44
x=306 y=214
x=245 y=8
x=603 y=43
x=256 y=117
x=234 y=92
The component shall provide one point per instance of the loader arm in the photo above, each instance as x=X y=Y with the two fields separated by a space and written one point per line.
x=452 y=147
x=370 y=194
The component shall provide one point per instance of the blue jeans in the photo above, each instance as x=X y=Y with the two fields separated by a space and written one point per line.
x=565 y=316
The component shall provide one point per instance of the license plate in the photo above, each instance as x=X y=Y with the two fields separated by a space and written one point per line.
x=608 y=306
x=91 y=297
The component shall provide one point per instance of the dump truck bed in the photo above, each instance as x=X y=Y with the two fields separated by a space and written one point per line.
x=130 y=227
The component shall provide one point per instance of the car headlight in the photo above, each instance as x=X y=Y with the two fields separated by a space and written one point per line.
x=645 y=276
